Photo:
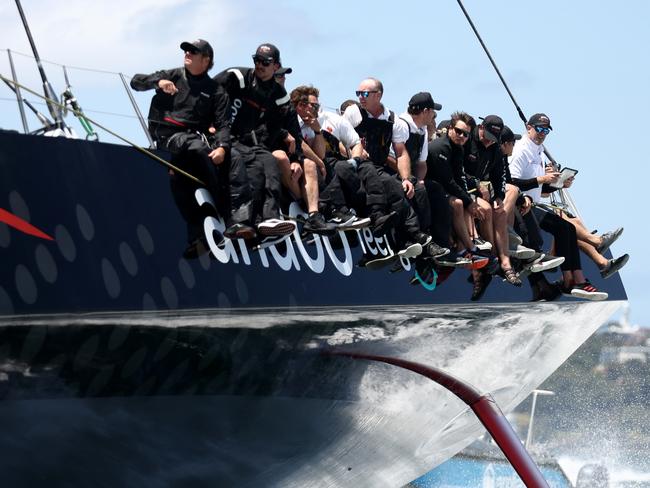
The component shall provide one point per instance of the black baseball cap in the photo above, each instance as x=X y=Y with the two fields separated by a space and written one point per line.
x=492 y=127
x=268 y=51
x=508 y=136
x=283 y=71
x=199 y=46
x=423 y=100
x=540 y=119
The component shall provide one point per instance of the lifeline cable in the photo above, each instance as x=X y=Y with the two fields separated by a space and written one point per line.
x=132 y=144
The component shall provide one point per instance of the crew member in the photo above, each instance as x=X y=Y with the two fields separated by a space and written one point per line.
x=186 y=105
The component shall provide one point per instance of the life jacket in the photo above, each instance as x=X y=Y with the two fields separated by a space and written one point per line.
x=332 y=146
x=413 y=146
x=257 y=108
x=377 y=135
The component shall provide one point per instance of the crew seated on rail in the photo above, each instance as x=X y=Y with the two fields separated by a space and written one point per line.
x=348 y=175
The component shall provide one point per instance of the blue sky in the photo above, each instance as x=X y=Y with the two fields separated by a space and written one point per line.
x=581 y=62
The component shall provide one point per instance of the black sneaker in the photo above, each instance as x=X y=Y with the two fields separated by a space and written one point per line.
x=435 y=251
x=316 y=224
x=347 y=220
x=454 y=260
x=608 y=239
x=613 y=265
x=275 y=227
x=381 y=224
x=240 y=231
x=422 y=239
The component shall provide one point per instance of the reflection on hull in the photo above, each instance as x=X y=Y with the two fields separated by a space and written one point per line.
x=244 y=398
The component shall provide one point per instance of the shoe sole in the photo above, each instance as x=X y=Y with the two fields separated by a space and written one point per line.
x=355 y=224
x=454 y=264
x=266 y=245
x=441 y=254
x=604 y=249
x=477 y=264
x=245 y=234
x=320 y=232
x=537 y=268
x=527 y=254
x=593 y=296
x=282 y=229
x=615 y=269
x=411 y=251
x=380 y=263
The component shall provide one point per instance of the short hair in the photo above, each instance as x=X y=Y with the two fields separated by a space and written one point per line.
x=211 y=62
x=378 y=84
x=302 y=93
x=346 y=104
x=464 y=117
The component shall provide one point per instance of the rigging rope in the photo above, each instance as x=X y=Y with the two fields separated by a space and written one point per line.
x=114 y=134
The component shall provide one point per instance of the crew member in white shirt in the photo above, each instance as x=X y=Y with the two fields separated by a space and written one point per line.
x=526 y=168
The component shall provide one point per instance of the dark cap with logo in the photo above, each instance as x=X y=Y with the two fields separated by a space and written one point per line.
x=199 y=46
x=492 y=127
x=423 y=100
x=268 y=52
x=508 y=136
x=540 y=119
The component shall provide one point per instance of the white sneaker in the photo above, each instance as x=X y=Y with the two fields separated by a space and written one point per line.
x=410 y=251
x=587 y=291
x=544 y=263
x=521 y=252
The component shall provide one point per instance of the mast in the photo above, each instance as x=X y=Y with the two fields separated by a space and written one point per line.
x=55 y=111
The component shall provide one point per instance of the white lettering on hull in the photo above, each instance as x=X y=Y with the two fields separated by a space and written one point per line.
x=227 y=251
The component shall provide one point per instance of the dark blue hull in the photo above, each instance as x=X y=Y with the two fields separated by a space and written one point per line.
x=123 y=364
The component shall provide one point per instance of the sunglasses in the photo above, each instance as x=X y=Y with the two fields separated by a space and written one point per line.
x=262 y=61
x=542 y=130
x=314 y=105
x=365 y=93
x=461 y=132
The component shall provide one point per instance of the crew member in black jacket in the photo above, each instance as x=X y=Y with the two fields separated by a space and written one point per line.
x=186 y=105
x=486 y=174
x=445 y=165
x=259 y=108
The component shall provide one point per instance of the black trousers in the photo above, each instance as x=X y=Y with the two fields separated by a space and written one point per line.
x=227 y=183
x=431 y=205
x=564 y=232
x=330 y=189
x=263 y=174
